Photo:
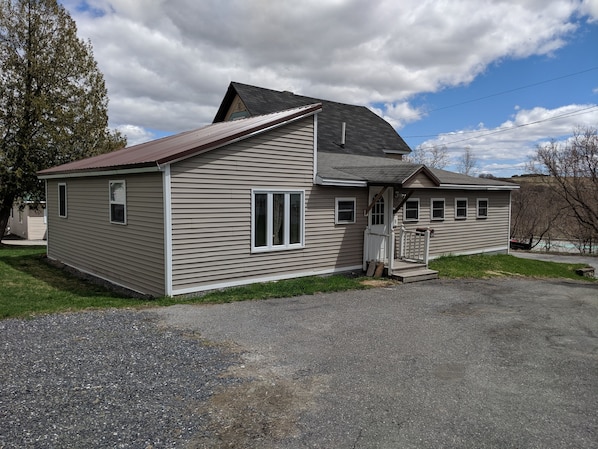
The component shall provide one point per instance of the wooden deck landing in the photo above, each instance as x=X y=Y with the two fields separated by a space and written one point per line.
x=412 y=272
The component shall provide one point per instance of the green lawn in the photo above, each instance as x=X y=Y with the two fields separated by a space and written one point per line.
x=484 y=266
x=30 y=286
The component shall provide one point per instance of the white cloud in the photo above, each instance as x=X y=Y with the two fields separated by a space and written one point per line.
x=590 y=7
x=167 y=64
x=136 y=134
x=504 y=150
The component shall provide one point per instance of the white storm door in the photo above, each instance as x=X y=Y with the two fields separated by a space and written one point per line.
x=379 y=225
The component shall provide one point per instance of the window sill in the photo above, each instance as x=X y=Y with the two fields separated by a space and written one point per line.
x=274 y=249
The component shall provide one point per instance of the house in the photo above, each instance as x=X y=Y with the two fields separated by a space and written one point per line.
x=303 y=187
x=27 y=220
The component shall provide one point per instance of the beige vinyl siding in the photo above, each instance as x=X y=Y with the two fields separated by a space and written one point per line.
x=457 y=236
x=211 y=212
x=420 y=181
x=130 y=255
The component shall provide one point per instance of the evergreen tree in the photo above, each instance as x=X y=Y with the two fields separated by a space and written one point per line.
x=53 y=100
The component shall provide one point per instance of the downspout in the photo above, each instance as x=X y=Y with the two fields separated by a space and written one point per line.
x=47 y=214
x=509 y=225
x=315 y=148
x=167 y=204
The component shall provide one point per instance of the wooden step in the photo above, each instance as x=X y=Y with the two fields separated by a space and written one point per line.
x=415 y=275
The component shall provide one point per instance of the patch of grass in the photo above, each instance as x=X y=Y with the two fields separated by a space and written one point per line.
x=284 y=289
x=30 y=286
x=486 y=266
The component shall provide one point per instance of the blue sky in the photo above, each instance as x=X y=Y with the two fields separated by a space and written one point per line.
x=444 y=70
x=566 y=77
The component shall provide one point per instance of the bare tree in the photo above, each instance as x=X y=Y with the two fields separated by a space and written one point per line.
x=572 y=169
x=467 y=162
x=535 y=213
x=434 y=157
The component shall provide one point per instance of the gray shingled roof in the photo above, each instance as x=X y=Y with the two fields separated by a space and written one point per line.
x=367 y=134
x=376 y=170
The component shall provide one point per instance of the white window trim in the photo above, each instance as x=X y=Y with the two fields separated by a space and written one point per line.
x=270 y=247
x=466 y=208
x=432 y=218
x=110 y=202
x=478 y=208
x=336 y=210
x=412 y=220
x=66 y=211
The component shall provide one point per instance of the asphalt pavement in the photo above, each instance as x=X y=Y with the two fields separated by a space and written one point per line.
x=559 y=257
x=506 y=363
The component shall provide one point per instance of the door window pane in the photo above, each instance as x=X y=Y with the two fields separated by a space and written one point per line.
x=378 y=212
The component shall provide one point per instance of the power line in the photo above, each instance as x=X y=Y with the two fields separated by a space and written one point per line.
x=498 y=131
x=500 y=93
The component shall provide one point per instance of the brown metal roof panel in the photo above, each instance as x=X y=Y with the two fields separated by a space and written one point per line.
x=180 y=146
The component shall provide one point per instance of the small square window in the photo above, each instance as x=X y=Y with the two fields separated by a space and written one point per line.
x=482 y=208
x=437 y=209
x=118 y=202
x=62 y=200
x=345 y=210
x=412 y=210
x=461 y=208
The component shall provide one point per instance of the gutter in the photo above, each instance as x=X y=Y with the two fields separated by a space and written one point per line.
x=113 y=172
x=339 y=182
x=476 y=187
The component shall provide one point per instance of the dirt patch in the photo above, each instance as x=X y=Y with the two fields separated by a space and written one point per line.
x=378 y=282
x=260 y=411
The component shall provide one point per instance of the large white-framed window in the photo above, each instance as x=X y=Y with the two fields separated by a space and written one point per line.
x=344 y=210
x=277 y=219
x=437 y=209
x=411 y=210
x=482 y=207
x=460 y=208
x=62 y=200
x=118 y=202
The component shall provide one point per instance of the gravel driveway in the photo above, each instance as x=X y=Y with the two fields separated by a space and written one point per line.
x=507 y=363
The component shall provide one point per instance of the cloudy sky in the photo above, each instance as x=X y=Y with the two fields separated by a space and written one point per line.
x=497 y=77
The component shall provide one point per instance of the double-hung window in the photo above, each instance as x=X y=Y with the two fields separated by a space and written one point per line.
x=277 y=220
x=437 y=209
x=461 y=208
x=62 y=200
x=412 y=210
x=482 y=208
x=118 y=202
x=345 y=211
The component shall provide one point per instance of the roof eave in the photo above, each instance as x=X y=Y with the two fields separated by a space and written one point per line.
x=340 y=182
x=477 y=187
x=101 y=171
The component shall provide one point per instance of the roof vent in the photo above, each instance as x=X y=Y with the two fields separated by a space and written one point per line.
x=343 y=134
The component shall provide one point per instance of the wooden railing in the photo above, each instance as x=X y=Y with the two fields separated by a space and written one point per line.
x=413 y=246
